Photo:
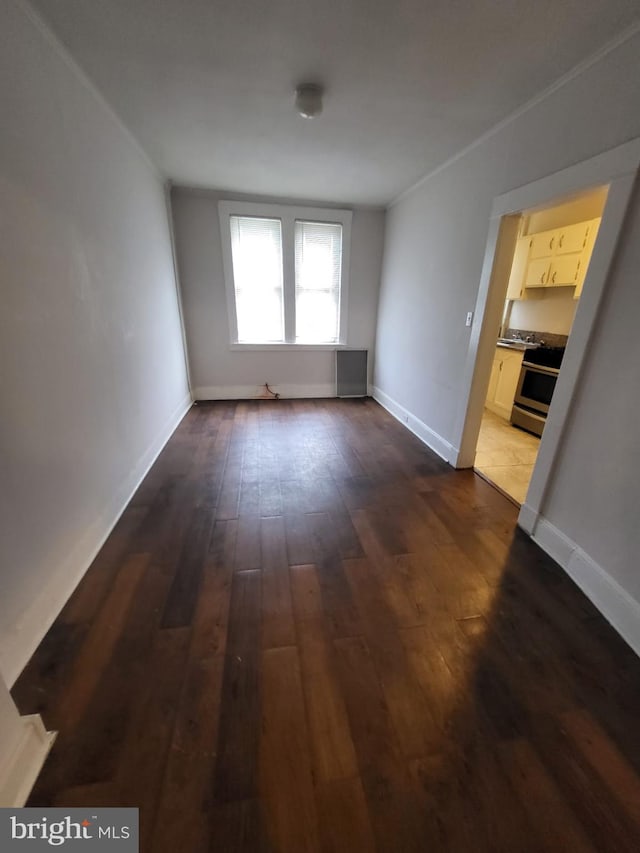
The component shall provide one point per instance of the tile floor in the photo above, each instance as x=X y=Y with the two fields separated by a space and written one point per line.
x=506 y=455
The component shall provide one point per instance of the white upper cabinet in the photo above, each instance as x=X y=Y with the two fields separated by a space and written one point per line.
x=573 y=238
x=564 y=270
x=557 y=258
x=542 y=245
x=537 y=272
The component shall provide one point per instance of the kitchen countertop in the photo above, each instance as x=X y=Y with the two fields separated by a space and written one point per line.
x=522 y=346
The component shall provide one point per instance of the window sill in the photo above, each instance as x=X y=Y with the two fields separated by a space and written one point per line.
x=285 y=347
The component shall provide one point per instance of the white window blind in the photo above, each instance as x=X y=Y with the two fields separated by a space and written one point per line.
x=256 y=245
x=318 y=265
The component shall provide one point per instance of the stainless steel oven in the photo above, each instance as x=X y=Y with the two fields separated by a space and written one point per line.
x=537 y=382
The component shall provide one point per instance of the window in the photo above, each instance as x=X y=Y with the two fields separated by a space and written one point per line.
x=257 y=277
x=318 y=262
x=286 y=271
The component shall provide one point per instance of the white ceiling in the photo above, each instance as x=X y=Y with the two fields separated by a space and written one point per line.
x=206 y=86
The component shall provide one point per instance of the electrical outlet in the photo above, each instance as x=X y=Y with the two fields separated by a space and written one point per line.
x=469 y=318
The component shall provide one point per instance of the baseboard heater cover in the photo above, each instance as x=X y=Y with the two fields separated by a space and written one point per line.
x=351 y=372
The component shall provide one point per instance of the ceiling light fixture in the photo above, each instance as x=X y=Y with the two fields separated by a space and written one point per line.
x=309 y=99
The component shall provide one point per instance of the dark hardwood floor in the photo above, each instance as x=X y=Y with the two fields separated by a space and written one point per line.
x=308 y=633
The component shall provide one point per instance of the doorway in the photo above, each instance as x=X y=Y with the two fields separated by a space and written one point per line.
x=616 y=168
x=541 y=294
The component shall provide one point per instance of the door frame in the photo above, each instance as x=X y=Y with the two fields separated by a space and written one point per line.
x=616 y=168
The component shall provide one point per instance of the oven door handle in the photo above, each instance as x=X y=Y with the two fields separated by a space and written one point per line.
x=550 y=371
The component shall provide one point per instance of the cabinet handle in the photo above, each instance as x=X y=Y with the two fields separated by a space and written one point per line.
x=553 y=278
x=561 y=239
x=542 y=278
x=551 y=242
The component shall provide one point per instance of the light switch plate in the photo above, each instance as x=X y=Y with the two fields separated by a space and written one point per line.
x=469 y=318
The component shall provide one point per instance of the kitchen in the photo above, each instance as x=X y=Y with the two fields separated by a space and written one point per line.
x=548 y=271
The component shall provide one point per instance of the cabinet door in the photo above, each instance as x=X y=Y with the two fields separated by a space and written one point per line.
x=493 y=380
x=507 y=383
x=564 y=270
x=573 y=238
x=542 y=244
x=537 y=273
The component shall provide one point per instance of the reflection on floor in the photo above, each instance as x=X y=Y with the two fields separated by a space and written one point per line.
x=506 y=455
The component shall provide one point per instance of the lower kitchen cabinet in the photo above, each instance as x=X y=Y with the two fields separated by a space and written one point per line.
x=504 y=381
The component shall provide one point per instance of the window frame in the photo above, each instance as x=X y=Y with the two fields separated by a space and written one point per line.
x=287 y=214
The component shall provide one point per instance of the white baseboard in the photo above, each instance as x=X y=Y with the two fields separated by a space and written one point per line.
x=19 y=775
x=19 y=645
x=614 y=602
x=254 y=392
x=433 y=441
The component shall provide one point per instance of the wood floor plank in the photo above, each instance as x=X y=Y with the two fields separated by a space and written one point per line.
x=299 y=548
x=248 y=551
x=90 y=596
x=332 y=747
x=211 y=619
x=183 y=595
x=236 y=771
x=602 y=814
x=339 y=606
x=308 y=632
x=412 y=719
x=607 y=761
x=238 y=827
x=286 y=784
x=395 y=806
x=100 y=641
x=148 y=736
x=344 y=817
x=278 y=628
x=184 y=803
x=540 y=796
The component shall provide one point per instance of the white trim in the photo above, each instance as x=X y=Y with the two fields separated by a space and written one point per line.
x=489 y=305
x=73 y=66
x=20 y=644
x=614 y=602
x=617 y=168
x=427 y=436
x=576 y=71
x=584 y=325
x=19 y=775
x=256 y=392
x=600 y=169
x=287 y=214
x=286 y=347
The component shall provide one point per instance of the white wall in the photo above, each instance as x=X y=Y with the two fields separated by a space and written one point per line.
x=579 y=209
x=219 y=372
x=435 y=241
x=92 y=373
x=553 y=312
x=595 y=494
